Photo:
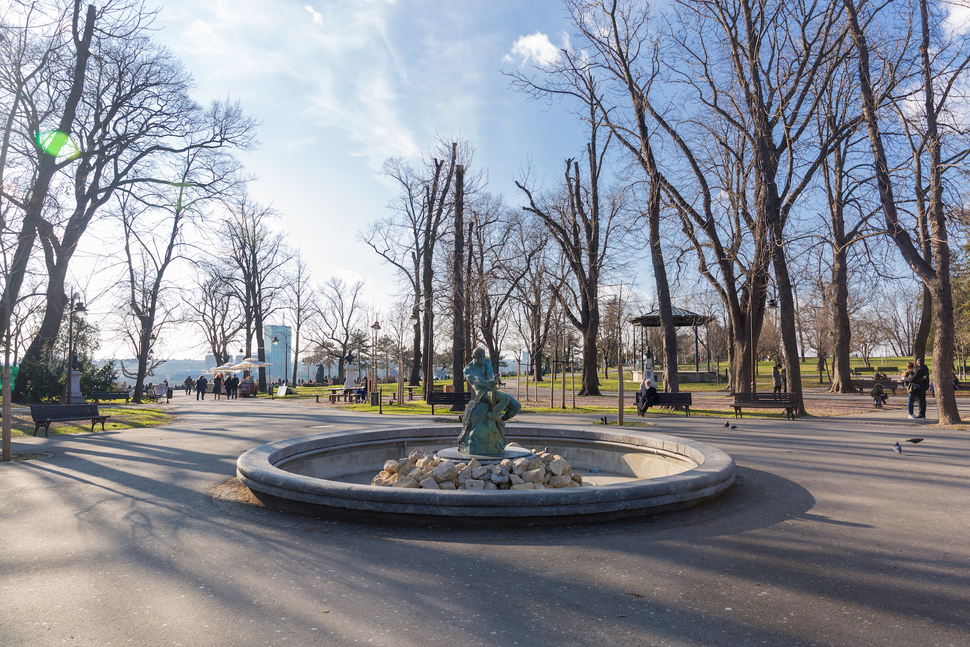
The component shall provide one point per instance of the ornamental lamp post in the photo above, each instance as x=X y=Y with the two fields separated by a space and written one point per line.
x=376 y=328
x=77 y=308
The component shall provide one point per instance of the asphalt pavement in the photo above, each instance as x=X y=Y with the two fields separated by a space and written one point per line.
x=139 y=537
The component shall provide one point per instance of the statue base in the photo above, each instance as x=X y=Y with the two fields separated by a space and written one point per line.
x=511 y=453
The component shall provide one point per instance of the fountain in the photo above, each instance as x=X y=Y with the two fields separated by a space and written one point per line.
x=624 y=473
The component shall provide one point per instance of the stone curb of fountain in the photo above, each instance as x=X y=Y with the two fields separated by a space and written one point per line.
x=713 y=472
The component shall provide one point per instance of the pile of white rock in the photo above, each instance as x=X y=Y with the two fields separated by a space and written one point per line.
x=424 y=470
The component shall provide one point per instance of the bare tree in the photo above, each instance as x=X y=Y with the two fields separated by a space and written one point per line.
x=301 y=304
x=213 y=308
x=941 y=68
x=584 y=228
x=340 y=316
x=67 y=82
x=257 y=256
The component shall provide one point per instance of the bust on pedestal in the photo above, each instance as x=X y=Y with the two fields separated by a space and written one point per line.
x=74 y=395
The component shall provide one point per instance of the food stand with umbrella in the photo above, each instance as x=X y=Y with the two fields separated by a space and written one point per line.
x=247 y=388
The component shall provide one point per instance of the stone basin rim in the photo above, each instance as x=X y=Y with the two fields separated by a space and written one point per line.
x=714 y=472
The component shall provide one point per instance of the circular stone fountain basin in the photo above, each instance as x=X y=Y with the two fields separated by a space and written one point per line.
x=626 y=473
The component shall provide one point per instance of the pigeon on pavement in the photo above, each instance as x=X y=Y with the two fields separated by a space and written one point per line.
x=734 y=426
x=914 y=440
x=727 y=425
x=897 y=448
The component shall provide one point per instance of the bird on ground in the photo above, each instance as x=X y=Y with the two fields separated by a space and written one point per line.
x=734 y=426
x=727 y=425
x=897 y=448
x=914 y=440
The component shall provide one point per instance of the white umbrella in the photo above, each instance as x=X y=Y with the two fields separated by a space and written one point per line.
x=248 y=364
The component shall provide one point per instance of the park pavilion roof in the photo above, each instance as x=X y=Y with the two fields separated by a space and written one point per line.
x=681 y=318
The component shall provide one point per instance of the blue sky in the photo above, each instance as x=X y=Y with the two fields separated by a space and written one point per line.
x=341 y=86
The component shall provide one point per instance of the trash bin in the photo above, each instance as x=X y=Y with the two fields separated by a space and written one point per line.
x=375 y=399
x=169 y=393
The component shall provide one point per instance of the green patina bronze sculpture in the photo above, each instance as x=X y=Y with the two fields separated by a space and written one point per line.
x=483 y=426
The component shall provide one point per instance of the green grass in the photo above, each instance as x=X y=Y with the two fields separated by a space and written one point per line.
x=126 y=416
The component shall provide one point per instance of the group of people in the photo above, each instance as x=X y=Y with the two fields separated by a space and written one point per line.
x=917 y=380
x=227 y=386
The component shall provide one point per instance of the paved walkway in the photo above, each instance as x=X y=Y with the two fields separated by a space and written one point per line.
x=828 y=538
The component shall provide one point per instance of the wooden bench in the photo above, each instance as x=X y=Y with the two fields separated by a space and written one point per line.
x=682 y=399
x=45 y=414
x=110 y=395
x=866 y=385
x=887 y=369
x=784 y=401
x=439 y=397
x=859 y=370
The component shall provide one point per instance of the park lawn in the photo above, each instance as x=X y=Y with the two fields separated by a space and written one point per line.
x=127 y=416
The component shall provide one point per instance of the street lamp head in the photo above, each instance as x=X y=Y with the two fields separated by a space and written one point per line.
x=276 y=340
x=376 y=326
x=414 y=321
x=80 y=310
x=772 y=303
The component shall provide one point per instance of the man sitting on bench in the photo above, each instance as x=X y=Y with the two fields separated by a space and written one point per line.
x=646 y=398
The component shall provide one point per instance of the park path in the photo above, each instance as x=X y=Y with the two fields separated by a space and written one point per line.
x=828 y=537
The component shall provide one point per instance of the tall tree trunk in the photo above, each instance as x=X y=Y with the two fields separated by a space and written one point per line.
x=841 y=375
x=458 y=299
x=922 y=339
x=43 y=342
x=416 y=361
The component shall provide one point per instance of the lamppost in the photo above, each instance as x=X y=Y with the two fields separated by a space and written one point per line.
x=373 y=382
x=77 y=308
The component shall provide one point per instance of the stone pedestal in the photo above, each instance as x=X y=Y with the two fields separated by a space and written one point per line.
x=75 y=389
x=638 y=376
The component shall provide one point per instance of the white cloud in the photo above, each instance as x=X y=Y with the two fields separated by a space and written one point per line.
x=535 y=49
x=957 y=21
x=317 y=17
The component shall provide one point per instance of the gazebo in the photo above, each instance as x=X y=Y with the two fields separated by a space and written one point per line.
x=682 y=318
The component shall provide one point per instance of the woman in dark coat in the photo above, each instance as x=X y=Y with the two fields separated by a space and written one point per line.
x=646 y=398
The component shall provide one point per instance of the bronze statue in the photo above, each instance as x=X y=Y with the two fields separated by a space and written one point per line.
x=483 y=425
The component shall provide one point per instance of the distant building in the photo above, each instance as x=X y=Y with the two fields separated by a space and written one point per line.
x=280 y=356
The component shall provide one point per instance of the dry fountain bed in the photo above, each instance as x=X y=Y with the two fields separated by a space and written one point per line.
x=425 y=470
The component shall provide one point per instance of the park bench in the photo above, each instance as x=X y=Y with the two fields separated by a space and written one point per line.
x=45 y=414
x=785 y=401
x=859 y=370
x=110 y=395
x=866 y=385
x=439 y=397
x=888 y=369
x=682 y=399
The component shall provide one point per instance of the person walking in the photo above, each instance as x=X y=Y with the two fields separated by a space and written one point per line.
x=188 y=384
x=776 y=377
x=921 y=382
x=200 y=386
x=217 y=386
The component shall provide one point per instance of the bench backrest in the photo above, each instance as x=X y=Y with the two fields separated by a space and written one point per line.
x=674 y=398
x=449 y=398
x=780 y=398
x=64 y=411
x=108 y=395
x=888 y=369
